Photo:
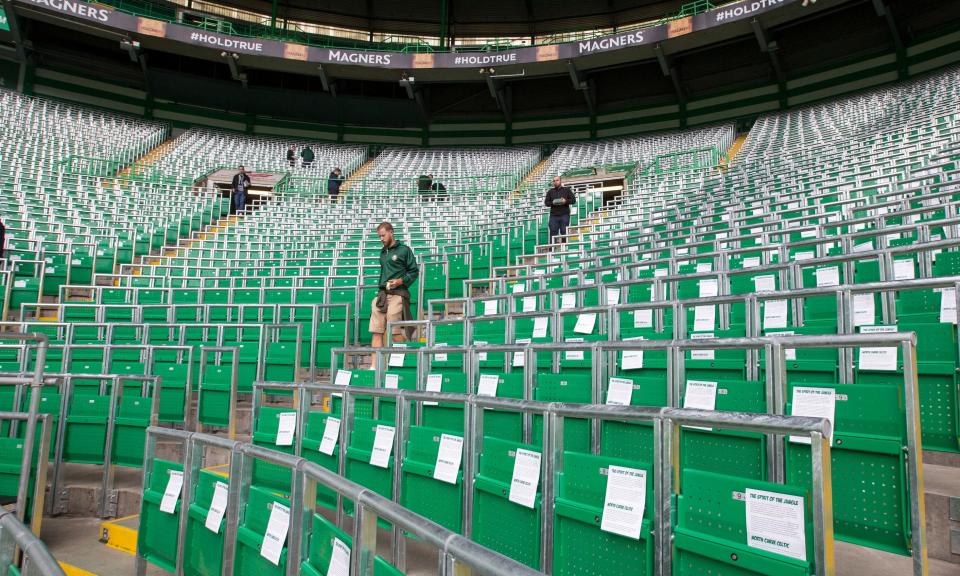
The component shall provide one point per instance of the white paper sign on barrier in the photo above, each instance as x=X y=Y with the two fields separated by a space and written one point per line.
x=619 y=391
x=331 y=434
x=827 y=277
x=382 y=446
x=488 y=385
x=286 y=427
x=815 y=402
x=526 y=478
x=879 y=358
x=624 y=501
x=585 y=323
x=276 y=534
x=775 y=523
x=449 y=456
x=218 y=507
x=864 y=310
x=339 y=559
x=171 y=494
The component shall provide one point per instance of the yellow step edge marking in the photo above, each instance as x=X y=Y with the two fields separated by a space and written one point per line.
x=71 y=570
x=119 y=537
x=219 y=470
x=48 y=318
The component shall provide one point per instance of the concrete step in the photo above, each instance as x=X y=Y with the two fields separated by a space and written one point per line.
x=942 y=494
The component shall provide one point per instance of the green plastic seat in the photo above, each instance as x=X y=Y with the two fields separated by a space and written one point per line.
x=157 y=534
x=434 y=499
x=580 y=547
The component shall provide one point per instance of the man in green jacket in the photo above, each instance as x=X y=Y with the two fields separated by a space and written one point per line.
x=307 y=156
x=398 y=272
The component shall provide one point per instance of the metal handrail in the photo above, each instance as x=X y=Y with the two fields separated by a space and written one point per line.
x=36 y=557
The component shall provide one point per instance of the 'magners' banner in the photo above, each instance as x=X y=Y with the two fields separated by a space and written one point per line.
x=272 y=48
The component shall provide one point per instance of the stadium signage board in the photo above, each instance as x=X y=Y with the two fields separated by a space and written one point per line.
x=106 y=16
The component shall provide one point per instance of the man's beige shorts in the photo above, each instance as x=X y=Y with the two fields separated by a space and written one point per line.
x=378 y=320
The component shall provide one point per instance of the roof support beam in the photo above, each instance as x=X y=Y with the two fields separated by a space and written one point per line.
x=19 y=42
x=670 y=71
x=883 y=11
x=771 y=49
x=585 y=86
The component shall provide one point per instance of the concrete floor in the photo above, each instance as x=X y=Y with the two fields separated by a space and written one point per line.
x=76 y=542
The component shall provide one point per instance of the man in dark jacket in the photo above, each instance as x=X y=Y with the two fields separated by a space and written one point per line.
x=291 y=157
x=333 y=184
x=559 y=199
x=307 y=156
x=239 y=186
x=398 y=272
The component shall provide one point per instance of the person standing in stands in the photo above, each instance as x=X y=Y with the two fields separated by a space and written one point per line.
x=559 y=199
x=398 y=272
x=3 y=239
x=239 y=186
x=291 y=157
x=307 y=156
x=333 y=184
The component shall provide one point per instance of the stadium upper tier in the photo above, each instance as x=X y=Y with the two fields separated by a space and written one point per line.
x=198 y=151
x=458 y=169
x=640 y=149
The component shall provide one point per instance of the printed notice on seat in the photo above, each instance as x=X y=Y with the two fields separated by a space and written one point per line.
x=391 y=381
x=171 y=493
x=481 y=356
x=519 y=288
x=585 y=323
x=331 y=433
x=948 y=305
x=864 y=310
x=624 y=502
x=343 y=378
x=815 y=402
x=643 y=318
x=775 y=523
x=803 y=256
x=704 y=267
x=765 y=283
x=218 y=507
x=489 y=307
x=519 y=355
x=382 y=446
x=877 y=358
x=286 y=426
x=488 y=385
x=529 y=303
x=751 y=262
x=339 y=559
x=568 y=300
x=540 y=325
x=774 y=314
x=396 y=360
x=704 y=318
x=708 y=288
x=619 y=391
x=903 y=270
x=440 y=357
x=700 y=395
x=574 y=354
x=448 y=459
x=434 y=384
x=827 y=277
x=276 y=535
x=526 y=478
x=632 y=359
x=700 y=354
x=613 y=296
